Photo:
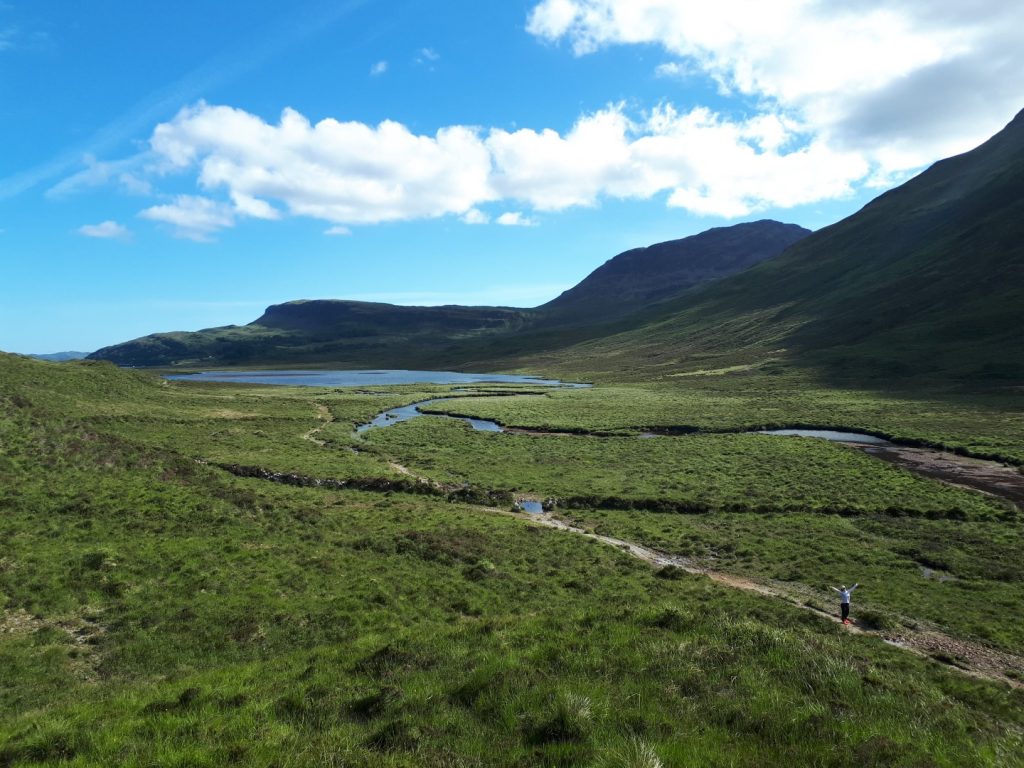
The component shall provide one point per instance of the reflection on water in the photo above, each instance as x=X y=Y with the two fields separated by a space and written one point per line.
x=406 y=412
x=828 y=434
x=364 y=378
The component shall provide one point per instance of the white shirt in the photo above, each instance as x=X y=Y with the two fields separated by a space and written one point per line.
x=844 y=594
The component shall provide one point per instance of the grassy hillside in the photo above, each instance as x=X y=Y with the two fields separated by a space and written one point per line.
x=157 y=610
x=925 y=282
x=361 y=334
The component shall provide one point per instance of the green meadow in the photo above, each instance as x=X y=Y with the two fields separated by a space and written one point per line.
x=986 y=423
x=158 y=610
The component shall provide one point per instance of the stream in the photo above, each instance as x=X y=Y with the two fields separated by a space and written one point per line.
x=988 y=477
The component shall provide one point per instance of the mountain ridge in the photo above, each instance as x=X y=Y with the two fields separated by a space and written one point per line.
x=353 y=333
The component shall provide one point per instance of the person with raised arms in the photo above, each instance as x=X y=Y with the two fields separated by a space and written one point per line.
x=844 y=600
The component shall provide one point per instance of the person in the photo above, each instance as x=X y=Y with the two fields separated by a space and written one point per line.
x=844 y=600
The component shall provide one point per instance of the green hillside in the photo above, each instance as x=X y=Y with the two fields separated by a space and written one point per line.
x=925 y=281
x=362 y=334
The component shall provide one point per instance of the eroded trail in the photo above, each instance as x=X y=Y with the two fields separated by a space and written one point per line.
x=326 y=417
x=963 y=655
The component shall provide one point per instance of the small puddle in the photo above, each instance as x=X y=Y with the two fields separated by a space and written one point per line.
x=533 y=507
x=826 y=434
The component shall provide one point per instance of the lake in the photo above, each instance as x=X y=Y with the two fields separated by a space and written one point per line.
x=365 y=378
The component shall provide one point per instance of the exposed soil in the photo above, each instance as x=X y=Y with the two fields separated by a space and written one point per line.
x=324 y=414
x=989 y=477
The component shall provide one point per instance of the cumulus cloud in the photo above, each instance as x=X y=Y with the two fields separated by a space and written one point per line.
x=349 y=173
x=672 y=69
x=515 y=219
x=340 y=172
x=105 y=229
x=379 y=68
x=475 y=216
x=902 y=83
x=706 y=163
x=337 y=231
x=193 y=218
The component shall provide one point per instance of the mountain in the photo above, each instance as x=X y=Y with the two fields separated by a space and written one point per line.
x=637 y=278
x=354 y=334
x=926 y=281
x=60 y=357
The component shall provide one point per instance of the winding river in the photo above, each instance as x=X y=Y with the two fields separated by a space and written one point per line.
x=988 y=477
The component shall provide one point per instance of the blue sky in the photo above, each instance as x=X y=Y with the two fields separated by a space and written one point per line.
x=180 y=166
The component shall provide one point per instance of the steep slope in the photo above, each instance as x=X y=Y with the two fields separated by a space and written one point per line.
x=639 y=277
x=927 y=280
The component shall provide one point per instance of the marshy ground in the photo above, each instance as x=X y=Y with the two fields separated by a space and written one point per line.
x=203 y=618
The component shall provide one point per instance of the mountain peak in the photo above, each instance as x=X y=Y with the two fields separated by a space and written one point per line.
x=638 y=277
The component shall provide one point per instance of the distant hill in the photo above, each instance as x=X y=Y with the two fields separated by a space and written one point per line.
x=637 y=278
x=926 y=281
x=60 y=357
x=350 y=333
x=356 y=334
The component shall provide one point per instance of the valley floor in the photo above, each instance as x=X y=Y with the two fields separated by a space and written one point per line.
x=391 y=617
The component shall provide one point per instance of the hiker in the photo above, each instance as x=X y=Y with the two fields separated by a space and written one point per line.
x=844 y=600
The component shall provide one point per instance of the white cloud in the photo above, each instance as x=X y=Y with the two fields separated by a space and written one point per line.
x=193 y=218
x=106 y=229
x=247 y=205
x=338 y=230
x=349 y=173
x=515 y=219
x=707 y=164
x=379 y=68
x=427 y=54
x=672 y=69
x=340 y=172
x=475 y=216
x=903 y=83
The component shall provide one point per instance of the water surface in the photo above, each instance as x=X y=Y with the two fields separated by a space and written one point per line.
x=828 y=434
x=406 y=412
x=533 y=507
x=362 y=378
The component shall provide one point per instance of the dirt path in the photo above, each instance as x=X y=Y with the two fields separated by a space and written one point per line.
x=324 y=414
x=963 y=655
